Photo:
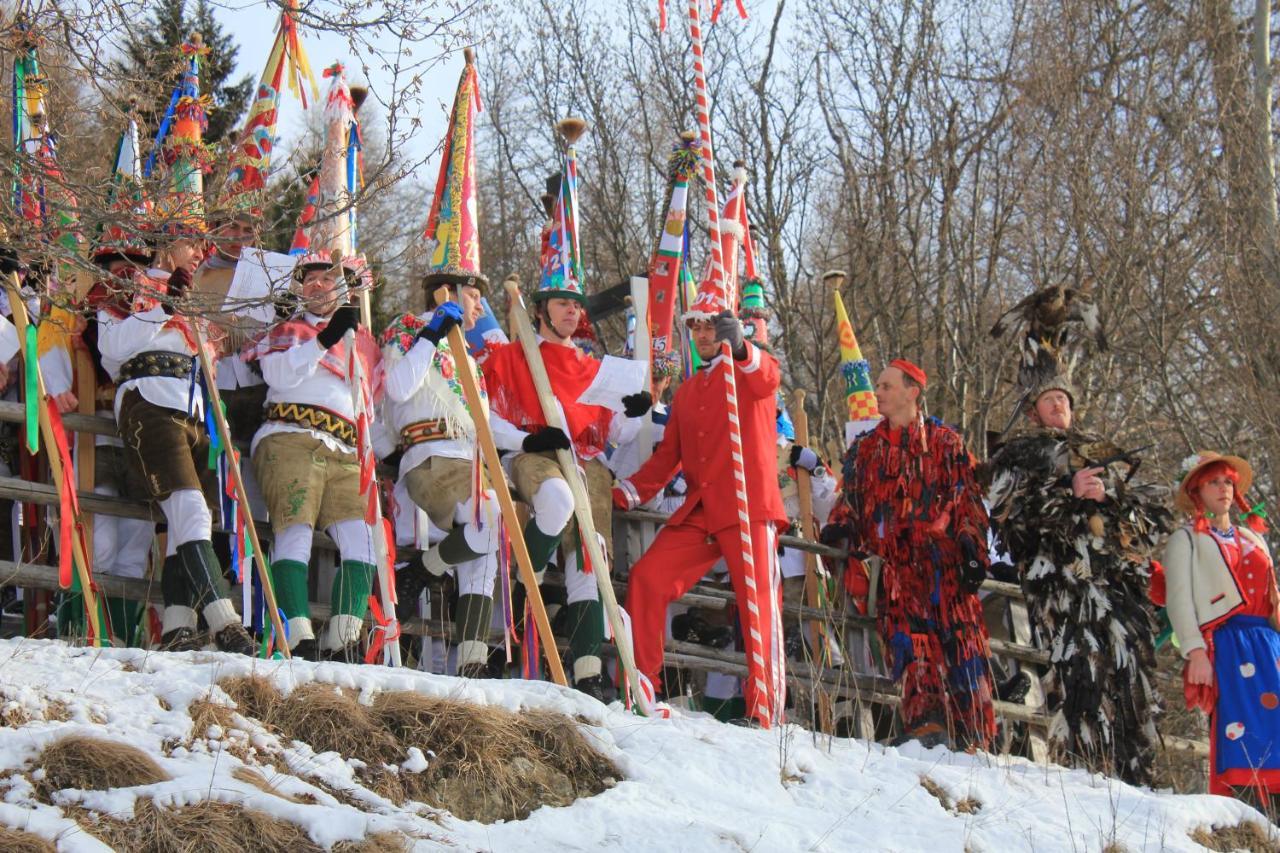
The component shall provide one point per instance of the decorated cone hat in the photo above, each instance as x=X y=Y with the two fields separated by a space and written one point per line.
x=180 y=212
x=122 y=235
x=451 y=233
x=244 y=192
x=859 y=391
x=561 y=252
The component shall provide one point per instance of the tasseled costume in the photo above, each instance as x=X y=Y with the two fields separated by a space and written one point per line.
x=1085 y=568
x=909 y=494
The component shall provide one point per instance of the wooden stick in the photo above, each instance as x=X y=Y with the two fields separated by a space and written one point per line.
x=21 y=323
x=386 y=572
x=233 y=467
x=489 y=450
x=804 y=488
x=86 y=452
x=581 y=506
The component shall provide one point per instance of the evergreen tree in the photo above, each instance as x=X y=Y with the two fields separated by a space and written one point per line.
x=152 y=66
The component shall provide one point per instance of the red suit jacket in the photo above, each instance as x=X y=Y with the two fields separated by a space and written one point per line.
x=697 y=438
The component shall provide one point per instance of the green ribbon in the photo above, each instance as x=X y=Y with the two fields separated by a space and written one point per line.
x=1258 y=510
x=30 y=364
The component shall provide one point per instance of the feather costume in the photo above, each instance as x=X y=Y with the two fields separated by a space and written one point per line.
x=1085 y=567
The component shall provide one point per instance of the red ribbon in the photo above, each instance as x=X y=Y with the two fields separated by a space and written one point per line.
x=383 y=633
x=68 y=502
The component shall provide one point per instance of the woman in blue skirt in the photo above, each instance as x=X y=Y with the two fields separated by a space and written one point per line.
x=1222 y=600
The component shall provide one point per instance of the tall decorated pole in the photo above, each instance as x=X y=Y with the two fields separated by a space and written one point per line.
x=716 y=294
x=287 y=68
x=668 y=258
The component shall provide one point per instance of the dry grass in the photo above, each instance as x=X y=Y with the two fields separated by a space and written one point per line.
x=206 y=714
x=14 y=716
x=17 y=841
x=57 y=711
x=254 y=695
x=379 y=842
x=95 y=764
x=968 y=805
x=210 y=827
x=1245 y=835
x=253 y=776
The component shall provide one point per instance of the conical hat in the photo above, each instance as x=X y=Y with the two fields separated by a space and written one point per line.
x=244 y=193
x=856 y=370
x=452 y=235
x=123 y=234
x=561 y=251
x=180 y=212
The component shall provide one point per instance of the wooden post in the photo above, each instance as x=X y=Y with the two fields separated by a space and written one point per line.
x=643 y=353
x=489 y=451
x=233 y=467
x=20 y=322
x=804 y=489
x=581 y=508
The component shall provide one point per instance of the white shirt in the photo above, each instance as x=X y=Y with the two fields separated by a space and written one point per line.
x=625 y=459
x=410 y=398
x=121 y=340
x=295 y=376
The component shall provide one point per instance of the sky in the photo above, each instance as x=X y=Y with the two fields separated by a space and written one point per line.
x=253 y=24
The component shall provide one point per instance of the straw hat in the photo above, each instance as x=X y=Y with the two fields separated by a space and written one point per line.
x=1192 y=465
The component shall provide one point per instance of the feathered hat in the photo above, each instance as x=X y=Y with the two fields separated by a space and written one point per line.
x=1060 y=381
x=122 y=235
x=452 y=235
x=180 y=142
x=245 y=188
x=561 y=251
x=859 y=391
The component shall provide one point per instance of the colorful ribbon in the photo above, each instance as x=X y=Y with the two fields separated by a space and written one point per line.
x=31 y=388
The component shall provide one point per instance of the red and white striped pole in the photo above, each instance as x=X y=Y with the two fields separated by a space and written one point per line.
x=756 y=669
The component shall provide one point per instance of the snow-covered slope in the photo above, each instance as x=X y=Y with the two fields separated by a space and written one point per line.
x=689 y=783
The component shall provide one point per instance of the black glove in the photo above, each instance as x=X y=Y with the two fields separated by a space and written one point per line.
x=177 y=287
x=9 y=261
x=445 y=317
x=803 y=457
x=344 y=320
x=972 y=572
x=729 y=330
x=833 y=535
x=547 y=438
x=635 y=405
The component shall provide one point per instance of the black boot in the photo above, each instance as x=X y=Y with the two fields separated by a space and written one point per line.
x=594 y=687
x=689 y=627
x=235 y=639
x=180 y=640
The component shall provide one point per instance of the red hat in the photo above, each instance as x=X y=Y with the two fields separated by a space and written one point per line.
x=912 y=370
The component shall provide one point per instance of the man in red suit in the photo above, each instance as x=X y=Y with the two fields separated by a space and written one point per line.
x=705 y=527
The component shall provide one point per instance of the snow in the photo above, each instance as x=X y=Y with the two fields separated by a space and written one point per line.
x=689 y=782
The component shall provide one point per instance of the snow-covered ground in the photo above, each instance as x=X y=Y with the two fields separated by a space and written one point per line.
x=690 y=783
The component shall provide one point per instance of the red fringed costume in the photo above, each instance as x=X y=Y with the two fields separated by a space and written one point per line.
x=909 y=497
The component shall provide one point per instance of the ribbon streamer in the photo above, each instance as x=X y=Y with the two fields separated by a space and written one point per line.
x=31 y=389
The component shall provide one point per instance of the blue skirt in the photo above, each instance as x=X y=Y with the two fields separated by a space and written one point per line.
x=1246 y=719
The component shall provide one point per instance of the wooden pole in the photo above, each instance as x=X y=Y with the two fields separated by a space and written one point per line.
x=233 y=467
x=21 y=323
x=817 y=643
x=489 y=451
x=581 y=507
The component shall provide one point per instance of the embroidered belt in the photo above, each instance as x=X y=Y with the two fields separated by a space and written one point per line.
x=173 y=365
x=314 y=417
x=420 y=432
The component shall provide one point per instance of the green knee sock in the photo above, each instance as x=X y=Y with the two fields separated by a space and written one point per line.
x=289 y=577
x=454 y=548
x=173 y=584
x=351 y=587
x=541 y=546
x=126 y=616
x=471 y=621
x=586 y=628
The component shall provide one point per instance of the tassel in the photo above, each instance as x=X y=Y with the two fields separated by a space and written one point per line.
x=31 y=376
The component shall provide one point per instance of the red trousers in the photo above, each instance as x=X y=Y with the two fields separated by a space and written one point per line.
x=678 y=557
